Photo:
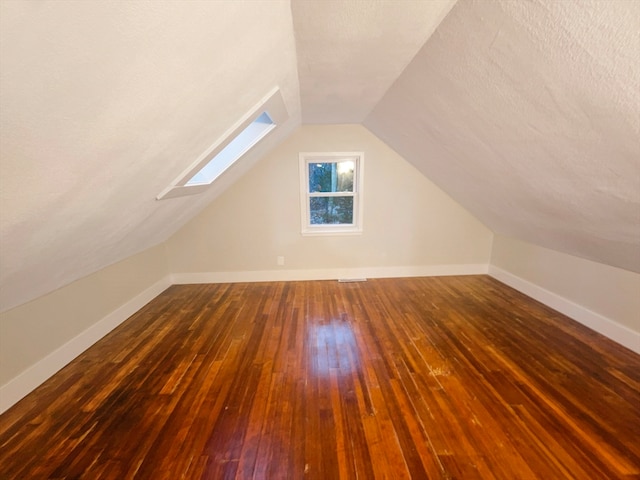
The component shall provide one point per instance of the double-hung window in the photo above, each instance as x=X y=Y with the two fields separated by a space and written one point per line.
x=331 y=193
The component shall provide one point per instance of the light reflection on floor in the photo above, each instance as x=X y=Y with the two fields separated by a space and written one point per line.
x=331 y=345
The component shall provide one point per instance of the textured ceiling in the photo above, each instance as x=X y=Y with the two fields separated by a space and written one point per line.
x=103 y=104
x=526 y=112
x=350 y=52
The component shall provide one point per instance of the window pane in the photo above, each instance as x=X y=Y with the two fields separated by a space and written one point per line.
x=331 y=176
x=237 y=147
x=331 y=210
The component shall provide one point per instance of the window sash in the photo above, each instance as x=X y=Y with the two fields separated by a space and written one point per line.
x=332 y=194
x=353 y=228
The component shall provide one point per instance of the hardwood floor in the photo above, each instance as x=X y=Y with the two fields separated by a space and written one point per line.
x=446 y=377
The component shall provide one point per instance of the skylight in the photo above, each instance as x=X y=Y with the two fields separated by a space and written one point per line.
x=246 y=139
x=267 y=115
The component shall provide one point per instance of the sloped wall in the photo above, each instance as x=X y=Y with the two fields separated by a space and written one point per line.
x=605 y=298
x=103 y=105
x=41 y=336
x=410 y=226
x=526 y=113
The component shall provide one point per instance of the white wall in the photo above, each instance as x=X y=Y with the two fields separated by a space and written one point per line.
x=605 y=298
x=40 y=337
x=410 y=226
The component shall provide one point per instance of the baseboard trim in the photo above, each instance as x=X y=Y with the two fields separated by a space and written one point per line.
x=329 y=274
x=601 y=324
x=20 y=386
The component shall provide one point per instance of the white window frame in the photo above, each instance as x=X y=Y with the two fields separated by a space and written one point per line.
x=272 y=104
x=355 y=228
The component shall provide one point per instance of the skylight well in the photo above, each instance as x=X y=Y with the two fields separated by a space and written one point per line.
x=248 y=132
x=247 y=138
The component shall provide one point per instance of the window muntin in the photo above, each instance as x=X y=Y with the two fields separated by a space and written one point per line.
x=331 y=186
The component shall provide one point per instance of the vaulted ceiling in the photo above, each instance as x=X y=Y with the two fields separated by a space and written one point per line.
x=527 y=112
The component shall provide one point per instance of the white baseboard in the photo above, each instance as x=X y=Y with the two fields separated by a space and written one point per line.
x=601 y=324
x=27 y=381
x=17 y=388
x=329 y=274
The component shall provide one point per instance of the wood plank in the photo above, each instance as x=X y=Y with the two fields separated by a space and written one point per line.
x=445 y=377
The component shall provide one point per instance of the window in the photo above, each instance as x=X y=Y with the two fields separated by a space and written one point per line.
x=246 y=139
x=331 y=193
x=244 y=135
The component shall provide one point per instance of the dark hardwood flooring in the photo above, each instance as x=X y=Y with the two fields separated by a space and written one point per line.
x=447 y=377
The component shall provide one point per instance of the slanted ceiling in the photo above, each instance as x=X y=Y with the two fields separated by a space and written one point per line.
x=526 y=112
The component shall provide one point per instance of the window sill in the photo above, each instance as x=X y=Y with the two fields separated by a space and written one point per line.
x=324 y=231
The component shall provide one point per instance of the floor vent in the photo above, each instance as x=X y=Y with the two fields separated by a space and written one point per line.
x=351 y=280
